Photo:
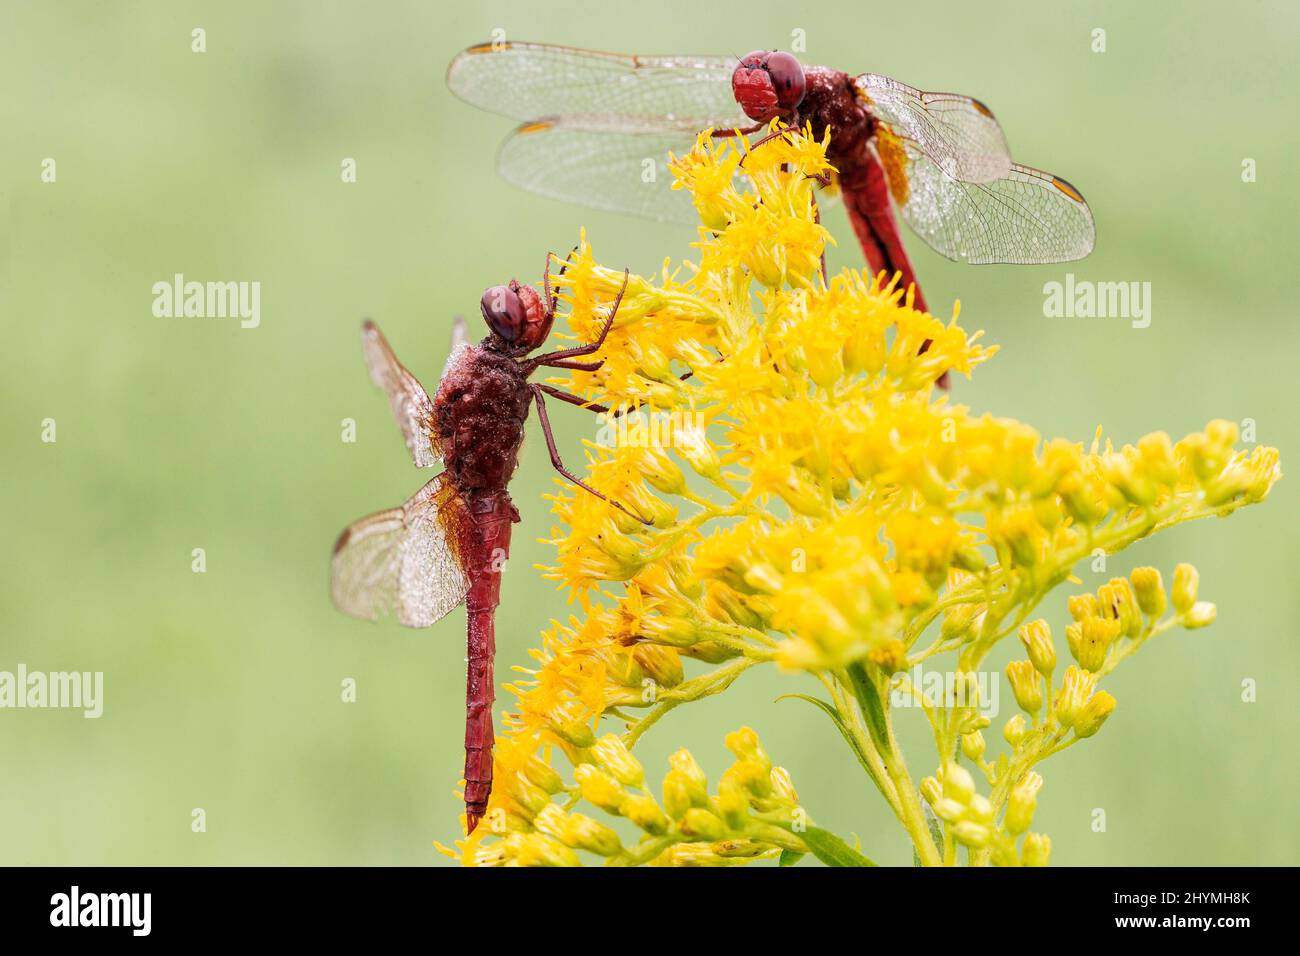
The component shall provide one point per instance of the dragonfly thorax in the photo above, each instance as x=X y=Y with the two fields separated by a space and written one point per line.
x=479 y=412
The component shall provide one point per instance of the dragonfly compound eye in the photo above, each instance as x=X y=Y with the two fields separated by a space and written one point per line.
x=787 y=79
x=504 y=312
x=767 y=85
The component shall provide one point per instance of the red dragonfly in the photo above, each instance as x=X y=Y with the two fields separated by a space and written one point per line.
x=592 y=120
x=449 y=542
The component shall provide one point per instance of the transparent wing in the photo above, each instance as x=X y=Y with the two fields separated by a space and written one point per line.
x=1026 y=216
x=407 y=397
x=404 y=561
x=606 y=162
x=527 y=80
x=958 y=133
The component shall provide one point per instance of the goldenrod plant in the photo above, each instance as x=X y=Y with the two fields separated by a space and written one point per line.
x=820 y=506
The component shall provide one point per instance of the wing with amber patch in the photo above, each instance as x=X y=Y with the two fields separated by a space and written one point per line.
x=610 y=162
x=1027 y=216
x=528 y=80
x=404 y=561
x=410 y=402
x=957 y=133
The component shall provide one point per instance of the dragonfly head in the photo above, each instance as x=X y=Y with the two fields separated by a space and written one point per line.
x=768 y=85
x=516 y=315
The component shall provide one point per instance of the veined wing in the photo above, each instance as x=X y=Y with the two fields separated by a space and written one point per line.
x=958 y=133
x=404 y=561
x=407 y=397
x=1026 y=216
x=606 y=161
x=527 y=80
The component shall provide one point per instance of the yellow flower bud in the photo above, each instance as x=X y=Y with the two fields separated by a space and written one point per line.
x=980 y=809
x=625 y=554
x=584 y=833
x=1004 y=851
x=551 y=820
x=949 y=810
x=677 y=794
x=1013 y=731
x=972 y=834
x=661 y=472
x=1150 y=590
x=1083 y=605
x=783 y=786
x=744 y=744
x=663 y=665
x=613 y=756
x=957 y=622
x=703 y=825
x=1036 y=850
x=958 y=784
x=1186 y=584
x=931 y=790
x=1026 y=684
x=689 y=854
x=890 y=657
x=733 y=803
x=528 y=797
x=1264 y=472
x=537 y=849
x=1076 y=687
x=576 y=733
x=725 y=604
x=1022 y=802
x=1118 y=604
x=692 y=776
x=1037 y=638
x=753 y=776
x=1158 y=461
x=692 y=443
x=1201 y=614
x=972 y=745
x=1093 y=714
x=599 y=788
x=1095 y=637
x=1073 y=635
x=642 y=810
x=542 y=775
x=683 y=576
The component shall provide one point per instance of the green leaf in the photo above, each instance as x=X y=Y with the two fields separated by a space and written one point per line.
x=826 y=846
x=872 y=709
x=790 y=858
x=831 y=850
x=840 y=725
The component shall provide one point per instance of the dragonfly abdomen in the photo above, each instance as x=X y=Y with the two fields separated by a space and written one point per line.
x=485 y=552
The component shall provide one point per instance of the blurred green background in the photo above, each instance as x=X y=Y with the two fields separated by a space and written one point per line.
x=223 y=688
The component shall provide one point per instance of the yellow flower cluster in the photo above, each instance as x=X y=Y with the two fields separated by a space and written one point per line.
x=1109 y=626
x=753 y=814
x=817 y=503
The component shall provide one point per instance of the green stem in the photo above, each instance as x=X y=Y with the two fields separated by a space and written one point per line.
x=911 y=814
x=706 y=685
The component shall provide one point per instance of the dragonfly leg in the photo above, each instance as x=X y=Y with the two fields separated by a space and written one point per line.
x=550 y=358
x=793 y=125
x=579 y=366
x=564 y=396
x=748 y=130
x=598 y=409
x=551 y=297
x=558 y=464
x=817 y=218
